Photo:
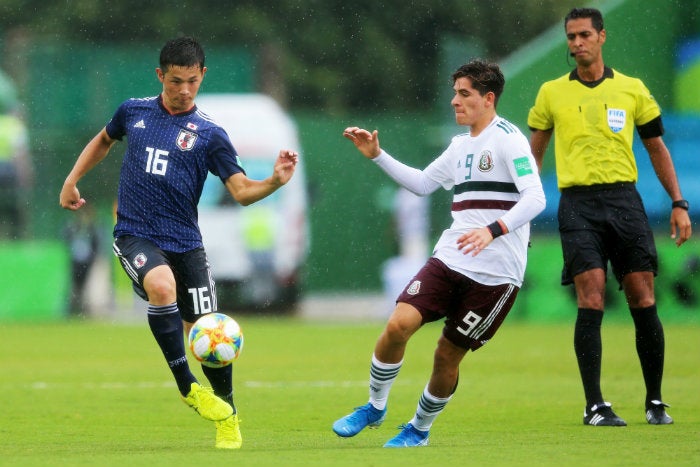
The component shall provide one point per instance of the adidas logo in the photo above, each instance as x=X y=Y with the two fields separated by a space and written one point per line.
x=140 y=124
x=596 y=419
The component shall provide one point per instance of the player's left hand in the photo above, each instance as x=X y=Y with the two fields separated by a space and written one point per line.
x=285 y=165
x=474 y=241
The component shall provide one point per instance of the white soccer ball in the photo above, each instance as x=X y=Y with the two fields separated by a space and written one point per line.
x=216 y=340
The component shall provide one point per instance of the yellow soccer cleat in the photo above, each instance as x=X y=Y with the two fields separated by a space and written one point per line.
x=206 y=404
x=228 y=433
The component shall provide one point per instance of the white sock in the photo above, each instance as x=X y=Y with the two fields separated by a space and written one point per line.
x=381 y=377
x=429 y=407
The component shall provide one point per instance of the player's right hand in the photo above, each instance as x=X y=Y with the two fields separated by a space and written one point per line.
x=70 y=198
x=367 y=143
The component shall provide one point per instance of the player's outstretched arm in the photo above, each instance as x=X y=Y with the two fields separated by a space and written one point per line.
x=246 y=191
x=92 y=154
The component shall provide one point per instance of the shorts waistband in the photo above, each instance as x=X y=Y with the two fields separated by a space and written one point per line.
x=598 y=187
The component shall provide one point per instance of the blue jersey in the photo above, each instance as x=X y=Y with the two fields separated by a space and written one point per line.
x=163 y=171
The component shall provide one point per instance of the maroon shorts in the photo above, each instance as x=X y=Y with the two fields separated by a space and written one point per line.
x=473 y=312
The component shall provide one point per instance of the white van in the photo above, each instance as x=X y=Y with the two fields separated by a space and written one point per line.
x=256 y=252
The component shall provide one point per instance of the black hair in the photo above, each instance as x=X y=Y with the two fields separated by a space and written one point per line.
x=485 y=77
x=595 y=15
x=182 y=51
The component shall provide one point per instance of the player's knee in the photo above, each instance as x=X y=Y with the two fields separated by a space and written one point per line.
x=160 y=291
x=399 y=330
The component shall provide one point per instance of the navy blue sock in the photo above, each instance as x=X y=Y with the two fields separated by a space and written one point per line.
x=166 y=326
x=649 y=335
x=589 y=351
x=221 y=380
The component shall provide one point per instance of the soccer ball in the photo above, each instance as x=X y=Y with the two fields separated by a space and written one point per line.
x=216 y=340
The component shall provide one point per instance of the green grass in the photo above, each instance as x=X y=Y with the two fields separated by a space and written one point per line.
x=99 y=394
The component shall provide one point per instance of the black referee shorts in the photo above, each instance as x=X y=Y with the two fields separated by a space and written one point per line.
x=602 y=223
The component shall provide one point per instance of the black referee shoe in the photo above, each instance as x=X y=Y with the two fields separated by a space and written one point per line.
x=656 y=413
x=602 y=415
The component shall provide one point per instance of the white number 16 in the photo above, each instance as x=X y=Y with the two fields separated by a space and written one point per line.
x=157 y=162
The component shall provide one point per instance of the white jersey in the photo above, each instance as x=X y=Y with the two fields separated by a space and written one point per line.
x=494 y=177
x=488 y=173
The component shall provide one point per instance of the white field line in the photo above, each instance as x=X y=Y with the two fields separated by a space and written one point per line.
x=116 y=385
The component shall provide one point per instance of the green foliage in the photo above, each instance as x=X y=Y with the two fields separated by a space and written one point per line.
x=330 y=54
x=90 y=393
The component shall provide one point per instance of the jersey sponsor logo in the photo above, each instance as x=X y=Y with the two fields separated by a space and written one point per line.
x=522 y=166
x=414 y=288
x=186 y=140
x=140 y=260
x=140 y=124
x=616 y=119
x=485 y=161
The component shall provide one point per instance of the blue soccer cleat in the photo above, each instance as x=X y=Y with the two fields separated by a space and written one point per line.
x=408 y=437
x=361 y=417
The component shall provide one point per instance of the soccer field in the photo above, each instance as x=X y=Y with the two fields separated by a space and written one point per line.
x=100 y=394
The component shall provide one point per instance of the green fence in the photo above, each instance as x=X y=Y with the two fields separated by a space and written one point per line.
x=542 y=298
x=35 y=278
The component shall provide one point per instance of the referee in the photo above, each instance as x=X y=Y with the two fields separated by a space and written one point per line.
x=594 y=110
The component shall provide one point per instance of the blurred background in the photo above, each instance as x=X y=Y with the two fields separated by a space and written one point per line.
x=327 y=64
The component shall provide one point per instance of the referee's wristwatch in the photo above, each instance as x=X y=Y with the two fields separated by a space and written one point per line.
x=681 y=203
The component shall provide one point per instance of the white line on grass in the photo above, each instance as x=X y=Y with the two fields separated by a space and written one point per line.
x=43 y=385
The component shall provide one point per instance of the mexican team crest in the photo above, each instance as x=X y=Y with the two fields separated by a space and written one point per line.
x=486 y=161
x=414 y=288
x=616 y=119
x=186 y=140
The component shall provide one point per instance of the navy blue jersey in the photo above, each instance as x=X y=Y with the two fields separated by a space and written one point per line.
x=164 y=168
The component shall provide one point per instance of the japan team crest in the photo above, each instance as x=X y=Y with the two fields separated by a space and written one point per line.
x=140 y=260
x=486 y=161
x=616 y=119
x=185 y=140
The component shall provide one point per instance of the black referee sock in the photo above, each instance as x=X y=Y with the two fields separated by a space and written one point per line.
x=221 y=380
x=649 y=334
x=166 y=326
x=589 y=350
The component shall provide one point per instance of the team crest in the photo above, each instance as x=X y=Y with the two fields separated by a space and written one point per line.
x=486 y=161
x=140 y=260
x=414 y=288
x=186 y=140
x=616 y=119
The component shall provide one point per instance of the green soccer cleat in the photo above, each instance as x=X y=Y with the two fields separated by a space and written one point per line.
x=228 y=433
x=206 y=404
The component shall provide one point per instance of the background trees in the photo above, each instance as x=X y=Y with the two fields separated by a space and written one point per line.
x=329 y=54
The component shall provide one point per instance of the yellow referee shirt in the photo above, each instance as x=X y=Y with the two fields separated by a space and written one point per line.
x=593 y=126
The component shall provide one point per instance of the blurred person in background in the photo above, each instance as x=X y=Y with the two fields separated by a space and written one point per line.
x=16 y=176
x=477 y=267
x=83 y=239
x=593 y=111
x=171 y=147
